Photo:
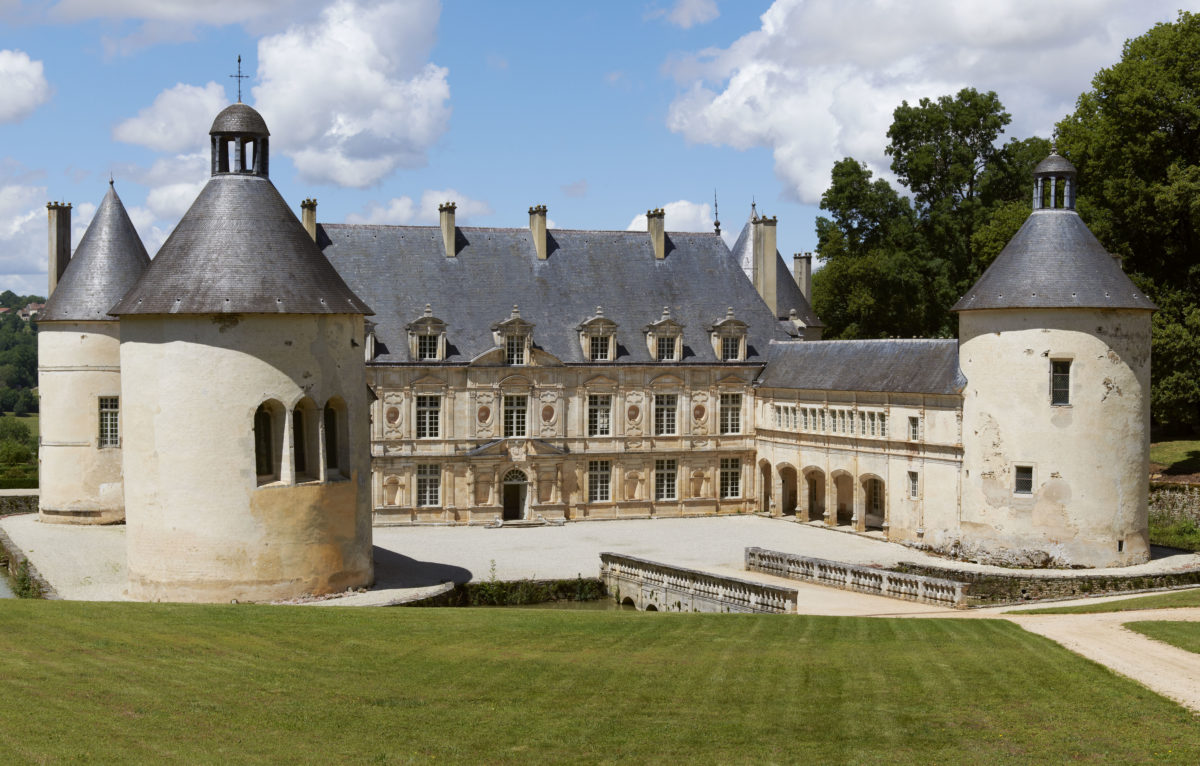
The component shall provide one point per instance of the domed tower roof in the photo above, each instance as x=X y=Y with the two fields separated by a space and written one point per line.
x=240 y=248
x=109 y=260
x=1054 y=260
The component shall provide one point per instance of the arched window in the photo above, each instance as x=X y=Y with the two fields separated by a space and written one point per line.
x=305 y=457
x=268 y=441
x=337 y=439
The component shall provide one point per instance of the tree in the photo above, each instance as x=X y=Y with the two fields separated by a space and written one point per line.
x=1135 y=139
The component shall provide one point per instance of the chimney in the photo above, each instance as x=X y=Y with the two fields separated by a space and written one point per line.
x=537 y=228
x=308 y=216
x=802 y=268
x=764 y=260
x=656 y=224
x=60 y=241
x=446 y=214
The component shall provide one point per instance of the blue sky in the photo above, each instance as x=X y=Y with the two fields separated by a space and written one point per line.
x=383 y=109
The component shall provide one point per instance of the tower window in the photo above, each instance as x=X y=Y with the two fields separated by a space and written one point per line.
x=109 y=412
x=1060 y=383
x=265 y=443
x=1023 y=480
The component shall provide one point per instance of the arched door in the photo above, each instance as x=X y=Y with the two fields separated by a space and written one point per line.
x=516 y=487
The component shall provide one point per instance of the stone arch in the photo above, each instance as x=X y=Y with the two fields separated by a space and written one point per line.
x=268 y=429
x=514 y=494
x=788 y=489
x=335 y=438
x=874 y=501
x=843 y=497
x=764 y=486
x=650 y=608
x=306 y=456
x=813 y=497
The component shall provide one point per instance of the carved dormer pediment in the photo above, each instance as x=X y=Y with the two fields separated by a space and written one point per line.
x=515 y=336
x=664 y=338
x=597 y=337
x=427 y=337
x=728 y=336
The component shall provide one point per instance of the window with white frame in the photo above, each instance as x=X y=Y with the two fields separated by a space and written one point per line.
x=862 y=423
x=914 y=429
x=778 y=415
x=514 y=349
x=599 y=415
x=731 y=349
x=109 y=419
x=1023 y=480
x=914 y=484
x=599 y=481
x=731 y=477
x=599 y=346
x=1060 y=382
x=665 y=406
x=882 y=424
x=731 y=413
x=665 y=475
x=515 y=407
x=804 y=418
x=871 y=422
x=665 y=348
x=427 y=346
x=429 y=417
x=429 y=484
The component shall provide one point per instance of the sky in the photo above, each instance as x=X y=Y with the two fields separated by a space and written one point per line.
x=382 y=109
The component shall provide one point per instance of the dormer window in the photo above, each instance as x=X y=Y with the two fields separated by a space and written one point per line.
x=427 y=337
x=729 y=338
x=664 y=338
x=597 y=337
x=514 y=335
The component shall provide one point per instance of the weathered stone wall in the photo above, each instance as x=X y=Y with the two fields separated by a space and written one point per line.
x=13 y=504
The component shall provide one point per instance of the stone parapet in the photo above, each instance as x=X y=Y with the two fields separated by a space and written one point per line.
x=654 y=587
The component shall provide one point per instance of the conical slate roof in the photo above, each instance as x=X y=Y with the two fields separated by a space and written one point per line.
x=1054 y=261
x=240 y=249
x=109 y=260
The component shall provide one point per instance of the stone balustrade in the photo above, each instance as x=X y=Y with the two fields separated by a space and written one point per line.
x=880 y=582
x=652 y=586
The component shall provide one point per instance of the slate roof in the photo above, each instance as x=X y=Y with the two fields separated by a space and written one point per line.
x=892 y=366
x=240 y=249
x=1054 y=164
x=108 y=261
x=787 y=292
x=398 y=269
x=1054 y=261
x=240 y=119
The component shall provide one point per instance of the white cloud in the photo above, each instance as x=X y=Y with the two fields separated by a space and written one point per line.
x=352 y=97
x=814 y=88
x=680 y=215
x=177 y=119
x=174 y=183
x=23 y=86
x=404 y=210
x=688 y=13
x=23 y=238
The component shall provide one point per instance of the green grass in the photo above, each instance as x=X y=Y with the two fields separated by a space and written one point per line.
x=1185 y=635
x=1173 y=600
x=1174 y=517
x=214 y=684
x=1179 y=456
x=31 y=420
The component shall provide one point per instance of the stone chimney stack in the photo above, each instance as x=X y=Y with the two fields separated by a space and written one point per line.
x=802 y=268
x=446 y=213
x=60 y=241
x=764 y=260
x=308 y=216
x=656 y=225
x=537 y=228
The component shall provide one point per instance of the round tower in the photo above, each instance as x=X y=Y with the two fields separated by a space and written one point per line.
x=246 y=454
x=1054 y=341
x=79 y=373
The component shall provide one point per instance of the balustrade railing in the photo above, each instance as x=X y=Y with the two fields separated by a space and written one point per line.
x=701 y=591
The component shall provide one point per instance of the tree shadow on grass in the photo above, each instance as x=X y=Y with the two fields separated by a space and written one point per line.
x=1190 y=464
x=394 y=570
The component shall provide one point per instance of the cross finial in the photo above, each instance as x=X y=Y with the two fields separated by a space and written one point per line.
x=716 y=214
x=239 y=77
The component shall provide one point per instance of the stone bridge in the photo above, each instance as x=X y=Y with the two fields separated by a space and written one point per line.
x=654 y=587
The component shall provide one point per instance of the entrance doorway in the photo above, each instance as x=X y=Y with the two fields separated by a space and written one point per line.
x=515 y=490
x=787 y=478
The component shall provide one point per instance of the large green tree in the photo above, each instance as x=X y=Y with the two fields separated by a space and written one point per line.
x=1135 y=139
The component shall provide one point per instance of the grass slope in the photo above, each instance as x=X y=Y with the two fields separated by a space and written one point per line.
x=1185 y=635
x=215 y=684
x=1179 y=456
x=1161 y=601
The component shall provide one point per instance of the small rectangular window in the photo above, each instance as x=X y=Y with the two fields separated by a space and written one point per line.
x=731 y=413
x=914 y=429
x=882 y=424
x=804 y=418
x=731 y=349
x=427 y=347
x=429 y=485
x=514 y=415
x=514 y=349
x=871 y=422
x=665 y=348
x=1023 y=484
x=598 y=345
x=664 y=414
x=599 y=481
x=664 y=479
x=599 y=415
x=731 y=477
x=109 y=412
x=778 y=416
x=914 y=484
x=1060 y=383
x=428 y=420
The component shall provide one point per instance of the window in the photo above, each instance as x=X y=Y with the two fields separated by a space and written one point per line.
x=1023 y=484
x=299 y=443
x=664 y=414
x=731 y=413
x=664 y=479
x=665 y=347
x=599 y=347
x=914 y=429
x=331 y=437
x=731 y=349
x=862 y=423
x=264 y=444
x=871 y=423
x=429 y=484
x=428 y=417
x=874 y=496
x=599 y=415
x=882 y=424
x=514 y=349
x=109 y=410
x=427 y=347
x=514 y=415
x=599 y=481
x=731 y=477
x=1060 y=383
x=804 y=418
x=778 y=416
x=914 y=484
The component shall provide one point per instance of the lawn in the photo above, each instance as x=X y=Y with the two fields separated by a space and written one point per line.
x=215 y=684
x=1173 y=600
x=1180 y=456
x=1185 y=635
